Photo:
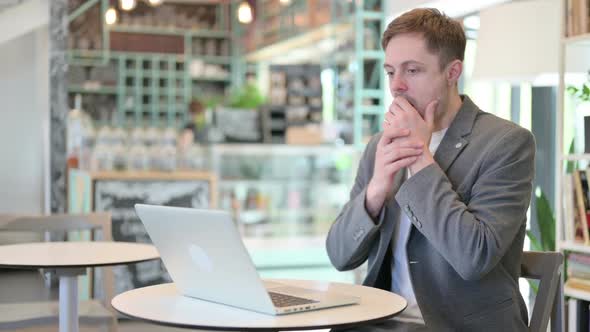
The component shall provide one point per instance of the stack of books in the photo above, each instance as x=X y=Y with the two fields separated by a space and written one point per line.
x=578 y=271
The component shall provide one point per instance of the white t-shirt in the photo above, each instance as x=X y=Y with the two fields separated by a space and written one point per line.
x=400 y=274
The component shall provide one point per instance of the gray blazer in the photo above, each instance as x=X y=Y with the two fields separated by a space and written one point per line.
x=468 y=213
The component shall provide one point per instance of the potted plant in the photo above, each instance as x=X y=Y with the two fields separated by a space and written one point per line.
x=240 y=121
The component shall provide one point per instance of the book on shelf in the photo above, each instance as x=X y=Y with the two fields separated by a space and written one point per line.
x=577 y=17
x=578 y=265
x=579 y=258
x=578 y=283
x=581 y=206
x=569 y=210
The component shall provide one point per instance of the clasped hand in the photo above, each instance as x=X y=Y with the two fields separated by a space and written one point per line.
x=404 y=143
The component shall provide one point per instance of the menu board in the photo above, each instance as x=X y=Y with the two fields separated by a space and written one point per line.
x=119 y=198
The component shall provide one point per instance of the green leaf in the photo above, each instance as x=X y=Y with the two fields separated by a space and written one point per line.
x=535 y=244
x=585 y=90
x=534 y=285
x=248 y=97
x=572 y=90
x=570 y=165
x=546 y=222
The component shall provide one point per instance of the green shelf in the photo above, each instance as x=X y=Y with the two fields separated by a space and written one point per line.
x=155 y=84
x=172 y=31
x=101 y=90
x=223 y=60
x=211 y=79
x=85 y=53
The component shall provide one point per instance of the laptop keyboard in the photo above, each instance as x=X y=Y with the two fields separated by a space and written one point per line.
x=283 y=300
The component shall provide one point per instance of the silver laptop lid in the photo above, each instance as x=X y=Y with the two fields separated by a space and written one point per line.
x=205 y=256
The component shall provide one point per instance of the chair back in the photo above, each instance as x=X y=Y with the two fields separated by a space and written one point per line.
x=547 y=268
x=98 y=221
x=36 y=313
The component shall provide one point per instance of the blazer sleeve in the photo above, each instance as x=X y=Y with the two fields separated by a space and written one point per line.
x=352 y=233
x=473 y=238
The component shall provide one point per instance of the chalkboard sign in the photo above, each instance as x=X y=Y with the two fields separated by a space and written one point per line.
x=119 y=197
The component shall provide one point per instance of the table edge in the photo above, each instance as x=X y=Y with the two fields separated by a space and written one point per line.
x=76 y=266
x=266 y=329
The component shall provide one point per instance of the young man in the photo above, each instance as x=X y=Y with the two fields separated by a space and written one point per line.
x=438 y=207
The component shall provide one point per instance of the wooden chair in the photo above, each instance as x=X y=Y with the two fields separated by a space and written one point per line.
x=93 y=311
x=547 y=268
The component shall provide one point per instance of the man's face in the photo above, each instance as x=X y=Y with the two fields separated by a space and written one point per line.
x=414 y=72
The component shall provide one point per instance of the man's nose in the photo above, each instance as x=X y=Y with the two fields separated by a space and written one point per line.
x=397 y=83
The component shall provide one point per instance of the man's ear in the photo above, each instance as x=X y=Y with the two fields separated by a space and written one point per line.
x=453 y=72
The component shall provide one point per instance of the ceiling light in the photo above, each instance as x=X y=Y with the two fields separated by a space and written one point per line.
x=110 y=16
x=245 y=13
x=155 y=2
x=127 y=4
x=285 y=2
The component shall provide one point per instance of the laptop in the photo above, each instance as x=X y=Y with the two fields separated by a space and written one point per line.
x=206 y=258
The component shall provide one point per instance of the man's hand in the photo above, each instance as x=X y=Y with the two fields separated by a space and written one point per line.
x=403 y=115
x=394 y=152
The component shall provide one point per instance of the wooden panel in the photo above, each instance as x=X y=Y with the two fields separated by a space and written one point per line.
x=142 y=42
x=152 y=175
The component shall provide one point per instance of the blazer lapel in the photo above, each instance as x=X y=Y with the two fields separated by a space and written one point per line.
x=457 y=136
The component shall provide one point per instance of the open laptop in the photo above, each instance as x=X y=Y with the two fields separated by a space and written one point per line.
x=206 y=258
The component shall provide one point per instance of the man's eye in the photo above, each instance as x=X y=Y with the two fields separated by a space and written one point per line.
x=412 y=70
x=389 y=73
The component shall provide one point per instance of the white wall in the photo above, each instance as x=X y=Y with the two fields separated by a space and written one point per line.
x=18 y=20
x=24 y=122
x=453 y=8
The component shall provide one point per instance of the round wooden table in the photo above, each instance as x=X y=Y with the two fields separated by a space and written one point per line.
x=69 y=260
x=164 y=305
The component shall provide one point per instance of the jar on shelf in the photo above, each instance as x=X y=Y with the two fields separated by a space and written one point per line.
x=154 y=157
x=151 y=136
x=138 y=158
x=119 y=157
x=119 y=136
x=170 y=136
x=193 y=158
x=102 y=158
x=167 y=157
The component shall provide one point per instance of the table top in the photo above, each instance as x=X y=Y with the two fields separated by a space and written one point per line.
x=74 y=254
x=164 y=305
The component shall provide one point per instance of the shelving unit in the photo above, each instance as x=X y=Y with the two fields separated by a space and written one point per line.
x=152 y=90
x=152 y=87
x=350 y=32
x=567 y=44
x=369 y=90
x=574 y=247
x=575 y=157
x=282 y=21
x=295 y=99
